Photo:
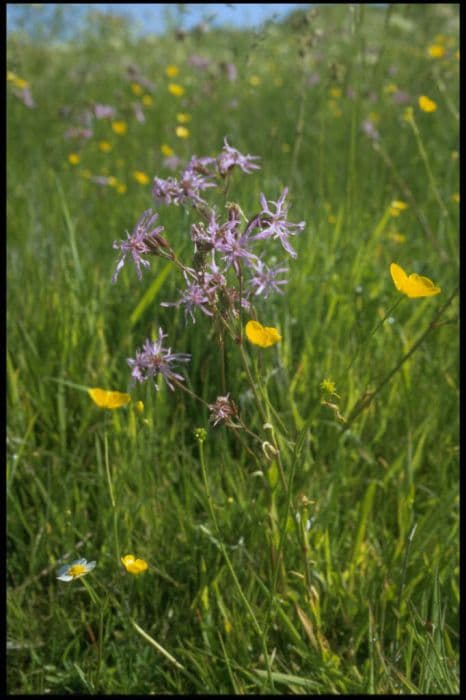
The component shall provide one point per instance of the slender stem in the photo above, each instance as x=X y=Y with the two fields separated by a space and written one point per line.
x=407 y=193
x=403 y=578
x=182 y=386
x=441 y=86
x=229 y=564
x=252 y=384
x=221 y=338
x=240 y=279
x=112 y=499
x=283 y=530
x=156 y=645
x=92 y=594
x=377 y=326
x=299 y=129
x=367 y=397
x=425 y=159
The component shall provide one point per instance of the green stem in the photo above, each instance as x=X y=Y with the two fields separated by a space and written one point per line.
x=407 y=193
x=92 y=594
x=377 y=326
x=265 y=414
x=289 y=490
x=367 y=397
x=425 y=159
x=112 y=499
x=252 y=384
x=403 y=579
x=230 y=566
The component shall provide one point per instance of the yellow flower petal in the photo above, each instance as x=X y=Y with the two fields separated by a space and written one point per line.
x=177 y=90
x=436 y=51
x=119 y=127
x=141 y=177
x=133 y=565
x=260 y=335
x=414 y=286
x=21 y=83
x=426 y=104
x=182 y=132
x=166 y=150
x=108 y=399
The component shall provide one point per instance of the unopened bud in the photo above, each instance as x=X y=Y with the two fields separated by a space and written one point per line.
x=269 y=450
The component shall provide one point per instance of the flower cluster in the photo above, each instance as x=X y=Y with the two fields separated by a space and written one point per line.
x=227 y=270
x=142 y=241
x=154 y=359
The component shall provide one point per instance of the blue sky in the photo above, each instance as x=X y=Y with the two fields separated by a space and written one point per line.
x=150 y=17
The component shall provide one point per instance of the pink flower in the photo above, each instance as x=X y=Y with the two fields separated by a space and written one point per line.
x=154 y=359
x=230 y=157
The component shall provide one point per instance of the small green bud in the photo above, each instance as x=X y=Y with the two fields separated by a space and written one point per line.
x=200 y=434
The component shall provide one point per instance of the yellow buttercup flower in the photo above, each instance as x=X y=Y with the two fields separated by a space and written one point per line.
x=426 y=104
x=260 y=335
x=397 y=237
x=74 y=158
x=174 y=89
x=20 y=83
x=254 y=80
x=136 y=89
x=436 y=51
x=108 y=399
x=335 y=92
x=414 y=286
x=397 y=206
x=121 y=188
x=182 y=132
x=166 y=150
x=139 y=406
x=147 y=100
x=133 y=565
x=105 y=146
x=183 y=117
x=171 y=71
x=141 y=177
x=120 y=127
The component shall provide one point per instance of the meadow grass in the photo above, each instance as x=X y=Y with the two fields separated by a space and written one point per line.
x=341 y=573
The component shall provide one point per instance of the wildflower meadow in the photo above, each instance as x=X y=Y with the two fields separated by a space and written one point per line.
x=232 y=354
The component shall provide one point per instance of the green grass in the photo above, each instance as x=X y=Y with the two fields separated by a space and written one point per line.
x=344 y=577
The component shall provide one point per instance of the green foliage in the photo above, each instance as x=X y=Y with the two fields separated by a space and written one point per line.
x=339 y=575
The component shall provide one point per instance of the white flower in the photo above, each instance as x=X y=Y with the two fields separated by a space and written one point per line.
x=77 y=568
